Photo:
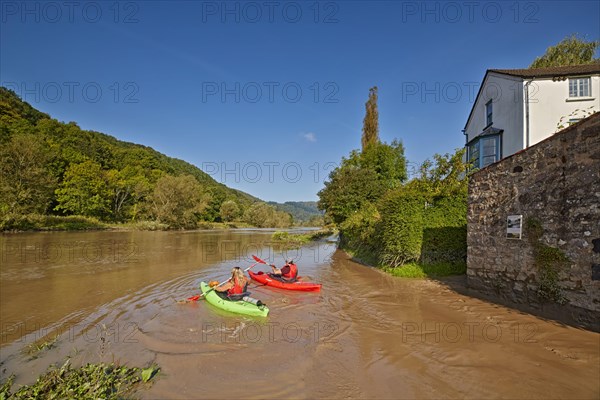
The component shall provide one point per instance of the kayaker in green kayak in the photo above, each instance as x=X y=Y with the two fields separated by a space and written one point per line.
x=287 y=273
x=235 y=288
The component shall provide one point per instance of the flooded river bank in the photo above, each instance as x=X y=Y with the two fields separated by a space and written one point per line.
x=113 y=296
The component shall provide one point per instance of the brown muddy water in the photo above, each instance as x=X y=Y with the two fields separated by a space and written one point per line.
x=112 y=296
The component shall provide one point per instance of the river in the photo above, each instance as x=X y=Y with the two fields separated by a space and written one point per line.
x=112 y=296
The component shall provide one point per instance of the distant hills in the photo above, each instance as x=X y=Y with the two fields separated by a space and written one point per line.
x=301 y=211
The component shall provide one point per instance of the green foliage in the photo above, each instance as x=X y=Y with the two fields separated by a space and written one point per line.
x=569 y=51
x=27 y=222
x=286 y=239
x=128 y=187
x=177 y=201
x=84 y=191
x=26 y=185
x=444 y=176
x=445 y=231
x=348 y=188
x=400 y=232
x=91 y=381
x=414 y=270
x=149 y=373
x=229 y=211
x=362 y=178
x=370 y=133
x=359 y=231
x=387 y=161
x=280 y=235
x=263 y=215
x=35 y=349
x=548 y=261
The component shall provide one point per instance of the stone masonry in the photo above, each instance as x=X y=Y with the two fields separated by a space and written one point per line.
x=557 y=183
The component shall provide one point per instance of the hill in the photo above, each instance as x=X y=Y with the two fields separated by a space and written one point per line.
x=49 y=167
x=301 y=211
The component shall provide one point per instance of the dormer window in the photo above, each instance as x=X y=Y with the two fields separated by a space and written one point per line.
x=579 y=87
x=488 y=113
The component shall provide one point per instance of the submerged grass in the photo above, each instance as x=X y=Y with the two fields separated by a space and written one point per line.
x=34 y=350
x=91 y=381
x=414 y=270
x=298 y=239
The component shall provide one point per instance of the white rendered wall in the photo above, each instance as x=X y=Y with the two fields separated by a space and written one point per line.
x=549 y=102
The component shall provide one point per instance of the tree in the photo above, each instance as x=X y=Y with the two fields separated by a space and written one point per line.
x=84 y=191
x=570 y=51
x=446 y=175
x=388 y=162
x=263 y=215
x=26 y=185
x=229 y=211
x=370 y=130
x=177 y=201
x=128 y=186
x=348 y=188
x=363 y=178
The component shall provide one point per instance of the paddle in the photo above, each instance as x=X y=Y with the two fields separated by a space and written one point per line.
x=199 y=296
x=258 y=260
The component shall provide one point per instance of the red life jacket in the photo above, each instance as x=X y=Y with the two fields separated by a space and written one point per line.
x=293 y=272
x=236 y=289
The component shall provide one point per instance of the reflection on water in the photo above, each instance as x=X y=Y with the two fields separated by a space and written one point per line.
x=113 y=296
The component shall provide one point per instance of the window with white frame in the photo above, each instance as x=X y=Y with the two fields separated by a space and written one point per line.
x=488 y=113
x=484 y=151
x=579 y=87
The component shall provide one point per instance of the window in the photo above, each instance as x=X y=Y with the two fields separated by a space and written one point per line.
x=488 y=113
x=484 y=151
x=579 y=87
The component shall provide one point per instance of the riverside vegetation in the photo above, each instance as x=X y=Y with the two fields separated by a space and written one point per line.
x=410 y=228
x=57 y=176
x=90 y=381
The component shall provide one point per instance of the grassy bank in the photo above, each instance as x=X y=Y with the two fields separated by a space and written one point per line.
x=410 y=270
x=91 y=381
x=37 y=222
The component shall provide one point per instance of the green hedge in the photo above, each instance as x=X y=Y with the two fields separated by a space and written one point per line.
x=445 y=231
x=400 y=231
x=405 y=228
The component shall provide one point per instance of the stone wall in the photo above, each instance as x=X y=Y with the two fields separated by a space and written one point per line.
x=555 y=186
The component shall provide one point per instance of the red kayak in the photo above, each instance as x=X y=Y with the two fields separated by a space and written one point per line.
x=267 y=280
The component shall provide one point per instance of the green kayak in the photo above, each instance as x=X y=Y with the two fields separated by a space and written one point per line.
x=239 y=307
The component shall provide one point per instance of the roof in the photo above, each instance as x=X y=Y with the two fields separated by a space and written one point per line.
x=551 y=72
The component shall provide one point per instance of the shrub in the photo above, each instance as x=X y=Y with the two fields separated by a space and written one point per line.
x=445 y=231
x=400 y=232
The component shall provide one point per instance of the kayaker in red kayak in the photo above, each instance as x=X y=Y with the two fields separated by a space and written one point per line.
x=287 y=273
x=235 y=288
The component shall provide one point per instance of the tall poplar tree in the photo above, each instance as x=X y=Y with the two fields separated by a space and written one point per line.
x=370 y=133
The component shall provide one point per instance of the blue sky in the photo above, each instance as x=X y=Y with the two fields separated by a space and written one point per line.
x=267 y=96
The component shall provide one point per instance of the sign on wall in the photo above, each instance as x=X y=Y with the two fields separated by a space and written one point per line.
x=514 y=226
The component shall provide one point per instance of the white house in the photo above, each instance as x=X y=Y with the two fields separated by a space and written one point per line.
x=517 y=108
